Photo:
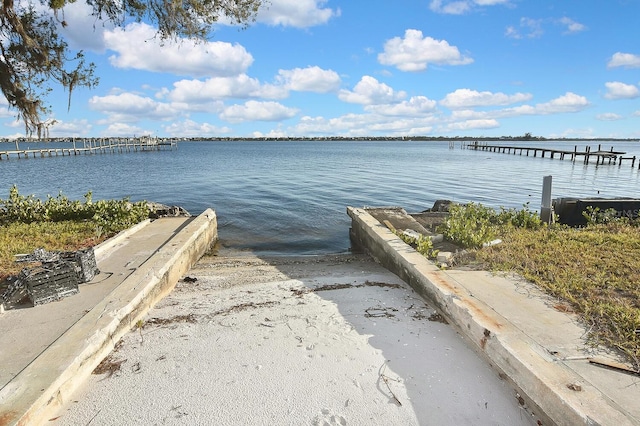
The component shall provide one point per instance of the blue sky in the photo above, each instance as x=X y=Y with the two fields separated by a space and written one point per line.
x=376 y=68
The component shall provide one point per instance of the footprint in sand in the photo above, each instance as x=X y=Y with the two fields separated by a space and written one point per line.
x=328 y=419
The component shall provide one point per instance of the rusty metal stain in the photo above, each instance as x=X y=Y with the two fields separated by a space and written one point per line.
x=7 y=418
x=469 y=303
x=440 y=281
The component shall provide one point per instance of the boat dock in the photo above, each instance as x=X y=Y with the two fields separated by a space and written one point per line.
x=601 y=156
x=92 y=146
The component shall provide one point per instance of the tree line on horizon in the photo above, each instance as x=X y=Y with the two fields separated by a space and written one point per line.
x=338 y=138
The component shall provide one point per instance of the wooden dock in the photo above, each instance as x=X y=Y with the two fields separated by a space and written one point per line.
x=92 y=146
x=601 y=156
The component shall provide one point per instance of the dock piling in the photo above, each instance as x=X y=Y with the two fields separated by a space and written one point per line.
x=93 y=146
x=602 y=157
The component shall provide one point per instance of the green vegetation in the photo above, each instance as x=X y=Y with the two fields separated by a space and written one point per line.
x=594 y=270
x=422 y=244
x=28 y=223
x=472 y=225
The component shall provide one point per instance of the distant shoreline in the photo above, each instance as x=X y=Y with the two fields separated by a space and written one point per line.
x=334 y=139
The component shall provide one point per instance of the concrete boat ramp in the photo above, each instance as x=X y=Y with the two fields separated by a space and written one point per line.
x=356 y=339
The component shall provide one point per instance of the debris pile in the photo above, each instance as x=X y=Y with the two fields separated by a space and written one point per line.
x=55 y=275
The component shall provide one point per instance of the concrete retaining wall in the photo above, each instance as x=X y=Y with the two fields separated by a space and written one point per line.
x=101 y=328
x=541 y=384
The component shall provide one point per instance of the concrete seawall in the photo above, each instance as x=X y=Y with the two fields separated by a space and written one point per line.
x=517 y=345
x=48 y=381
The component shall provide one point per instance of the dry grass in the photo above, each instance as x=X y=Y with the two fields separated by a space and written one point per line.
x=18 y=238
x=596 y=270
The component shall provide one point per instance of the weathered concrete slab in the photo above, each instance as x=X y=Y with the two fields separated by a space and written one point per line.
x=399 y=218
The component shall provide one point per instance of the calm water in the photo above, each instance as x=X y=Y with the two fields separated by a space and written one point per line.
x=291 y=197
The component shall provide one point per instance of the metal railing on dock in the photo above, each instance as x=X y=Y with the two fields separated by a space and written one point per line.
x=600 y=155
x=93 y=146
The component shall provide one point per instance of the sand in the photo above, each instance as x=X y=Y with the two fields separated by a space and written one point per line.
x=329 y=340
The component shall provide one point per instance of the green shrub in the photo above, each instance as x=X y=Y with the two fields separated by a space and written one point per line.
x=471 y=225
x=595 y=216
x=523 y=218
x=422 y=244
x=108 y=216
x=113 y=216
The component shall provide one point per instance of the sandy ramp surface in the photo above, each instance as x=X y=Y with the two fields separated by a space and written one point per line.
x=330 y=340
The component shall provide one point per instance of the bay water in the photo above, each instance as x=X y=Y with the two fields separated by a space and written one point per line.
x=291 y=197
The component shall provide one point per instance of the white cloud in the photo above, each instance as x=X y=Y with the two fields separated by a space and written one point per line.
x=450 y=7
x=636 y=113
x=370 y=91
x=129 y=107
x=459 y=7
x=5 y=111
x=74 y=128
x=608 y=116
x=190 y=128
x=468 y=119
x=257 y=111
x=363 y=125
x=574 y=133
x=618 y=90
x=511 y=32
x=310 y=79
x=137 y=47
x=466 y=98
x=529 y=28
x=122 y=129
x=473 y=124
x=569 y=102
x=470 y=114
x=83 y=31
x=490 y=2
x=416 y=106
x=627 y=60
x=296 y=13
x=572 y=26
x=14 y=136
x=15 y=123
x=419 y=115
x=533 y=27
x=241 y=87
x=415 y=52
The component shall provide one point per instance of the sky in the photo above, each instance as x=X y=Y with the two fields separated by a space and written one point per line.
x=314 y=68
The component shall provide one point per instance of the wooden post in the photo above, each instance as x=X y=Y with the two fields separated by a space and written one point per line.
x=545 y=208
x=586 y=155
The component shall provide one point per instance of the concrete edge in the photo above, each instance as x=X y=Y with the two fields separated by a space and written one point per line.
x=96 y=334
x=540 y=382
x=103 y=249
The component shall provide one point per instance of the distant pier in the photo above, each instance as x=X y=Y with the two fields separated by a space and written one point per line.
x=601 y=156
x=92 y=146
